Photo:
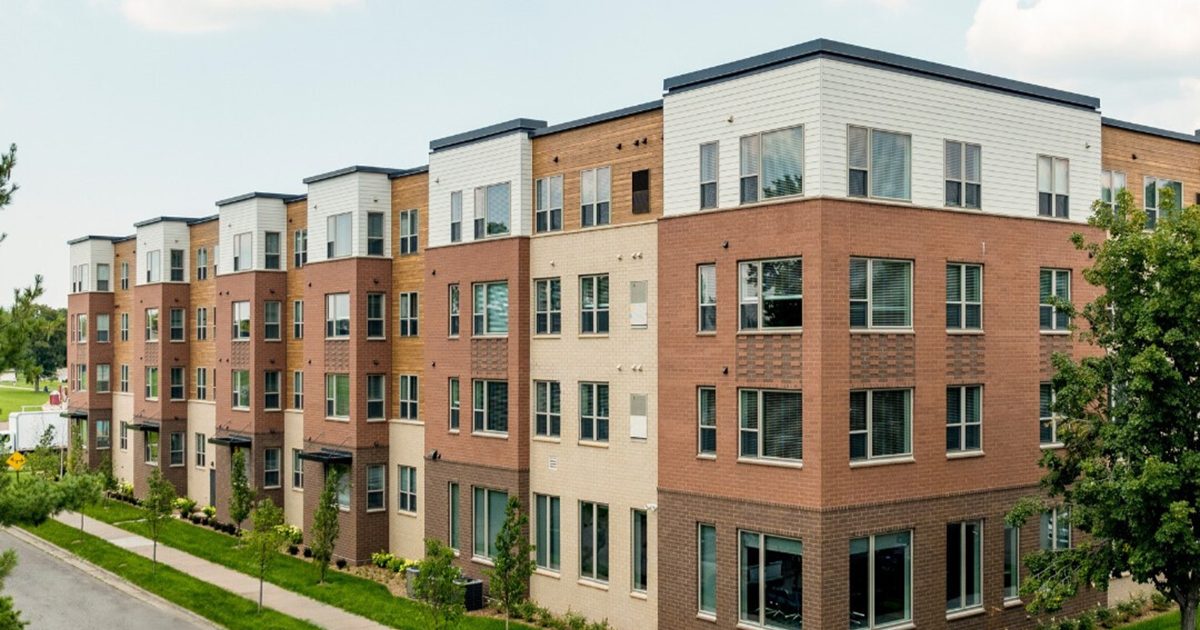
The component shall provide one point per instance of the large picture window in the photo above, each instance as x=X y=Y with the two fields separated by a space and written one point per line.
x=771 y=587
x=593 y=541
x=964 y=565
x=490 y=308
x=490 y=406
x=487 y=513
x=880 y=424
x=492 y=210
x=771 y=424
x=880 y=293
x=772 y=165
x=881 y=580
x=880 y=163
x=548 y=533
x=771 y=294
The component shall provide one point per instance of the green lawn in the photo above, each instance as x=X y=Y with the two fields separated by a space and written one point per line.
x=13 y=398
x=351 y=593
x=217 y=604
x=1169 y=621
x=114 y=511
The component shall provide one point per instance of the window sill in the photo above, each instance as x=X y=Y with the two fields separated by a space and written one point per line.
x=239 y=408
x=406 y=513
x=241 y=339
x=706 y=333
x=273 y=409
x=770 y=462
x=375 y=420
x=495 y=336
x=376 y=510
x=345 y=338
x=201 y=467
x=155 y=464
x=490 y=435
x=547 y=335
x=602 y=335
x=964 y=614
x=550 y=573
x=1050 y=447
x=376 y=338
x=770 y=331
x=271 y=487
x=487 y=562
x=1054 y=333
x=547 y=439
x=600 y=586
x=453 y=431
x=868 y=463
x=592 y=444
x=297 y=489
x=882 y=331
x=103 y=448
x=964 y=331
x=703 y=616
x=711 y=457
x=1013 y=602
x=346 y=420
x=964 y=454
x=639 y=595
x=415 y=423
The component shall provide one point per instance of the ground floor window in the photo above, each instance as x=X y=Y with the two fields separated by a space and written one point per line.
x=549 y=530
x=593 y=541
x=771 y=573
x=640 y=551
x=1012 y=562
x=487 y=513
x=707 y=551
x=453 y=515
x=881 y=580
x=964 y=560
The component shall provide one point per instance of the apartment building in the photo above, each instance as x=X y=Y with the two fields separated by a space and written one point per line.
x=771 y=351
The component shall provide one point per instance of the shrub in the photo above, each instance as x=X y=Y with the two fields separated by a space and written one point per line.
x=210 y=511
x=293 y=549
x=341 y=563
x=194 y=518
x=308 y=552
x=291 y=534
x=185 y=505
x=1159 y=601
x=575 y=621
x=381 y=559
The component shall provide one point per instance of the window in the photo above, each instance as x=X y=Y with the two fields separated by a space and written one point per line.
x=706 y=541
x=297 y=390
x=103 y=434
x=102 y=327
x=375 y=315
x=640 y=187
x=406 y=498
x=408 y=397
x=176 y=331
x=300 y=248
x=151 y=383
x=488 y=516
x=272 y=387
x=103 y=378
x=1111 y=183
x=771 y=294
x=880 y=293
x=103 y=276
x=490 y=312
x=455 y=403
x=151 y=324
x=963 y=174
x=82 y=328
x=297 y=470
x=124 y=326
x=81 y=377
x=408 y=232
x=241 y=320
x=201 y=450
x=880 y=163
x=593 y=304
x=593 y=541
x=201 y=384
x=272 y=250
x=490 y=406
x=337 y=235
x=548 y=530
x=881 y=580
x=176 y=265
x=1053 y=180
x=271 y=468
x=640 y=551
x=453 y=309
x=772 y=165
x=963 y=418
x=706 y=404
x=1156 y=205
x=201 y=324
x=772 y=425
x=240 y=389
x=549 y=204
x=178 y=390
x=375 y=233
x=150 y=448
x=343 y=485
x=124 y=276
x=456 y=216
x=547 y=414
x=452 y=517
x=593 y=412
x=708 y=175
x=771 y=585
x=297 y=319
x=408 y=314
x=202 y=263
x=243 y=251
x=880 y=424
x=123 y=436
x=547 y=306
x=492 y=206
x=124 y=378
x=1012 y=563
x=1047 y=419
x=337 y=315
x=1055 y=531
x=964 y=565
x=177 y=455
x=964 y=297
x=595 y=196
x=337 y=396
x=154 y=266
x=1054 y=284
x=707 y=298
x=376 y=402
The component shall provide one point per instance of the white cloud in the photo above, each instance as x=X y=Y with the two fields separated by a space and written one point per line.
x=198 y=16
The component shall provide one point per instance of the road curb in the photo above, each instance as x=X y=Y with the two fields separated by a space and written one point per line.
x=106 y=576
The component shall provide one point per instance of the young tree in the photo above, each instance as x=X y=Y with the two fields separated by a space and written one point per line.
x=80 y=491
x=513 y=564
x=77 y=453
x=438 y=585
x=1129 y=469
x=325 y=527
x=159 y=505
x=265 y=539
x=43 y=460
x=241 y=498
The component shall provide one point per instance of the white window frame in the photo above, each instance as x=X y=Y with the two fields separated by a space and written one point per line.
x=480 y=393
x=589 y=287
x=300 y=248
x=337 y=310
x=270 y=471
x=409 y=231
x=240 y=391
x=591 y=416
x=331 y=397
x=869 y=300
x=152 y=384
x=1011 y=561
x=272 y=389
x=297 y=389
x=870 y=621
x=869 y=167
x=409 y=314
x=181 y=385
x=297 y=470
x=378 y=397
x=544 y=308
x=755 y=141
x=454 y=308
x=547 y=531
x=240 y=319
x=481 y=520
x=175 y=455
x=715 y=147
x=276 y=251
x=1055 y=280
x=406 y=493
x=152 y=325
x=595 y=508
x=963 y=302
x=339 y=235
x=701 y=302
x=760 y=298
x=297 y=319
x=1055 y=211
x=202 y=323
x=377 y=320
x=376 y=492
x=201 y=384
x=200 y=450
x=547 y=409
x=481 y=320
x=548 y=211
x=760 y=430
x=376 y=241
x=964 y=548
x=963 y=181
x=243 y=251
x=408 y=393
x=1051 y=518
x=591 y=211
x=963 y=420
x=273 y=320
x=482 y=225
x=456 y=216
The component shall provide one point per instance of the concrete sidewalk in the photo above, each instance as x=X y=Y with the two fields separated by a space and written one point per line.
x=284 y=601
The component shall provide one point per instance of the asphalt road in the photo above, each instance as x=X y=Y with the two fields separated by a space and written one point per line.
x=54 y=595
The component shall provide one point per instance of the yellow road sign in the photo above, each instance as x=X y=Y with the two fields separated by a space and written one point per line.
x=15 y=461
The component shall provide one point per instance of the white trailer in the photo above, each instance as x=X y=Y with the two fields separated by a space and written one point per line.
x=25 y=429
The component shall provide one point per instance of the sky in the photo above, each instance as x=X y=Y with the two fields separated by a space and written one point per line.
x=124 y=110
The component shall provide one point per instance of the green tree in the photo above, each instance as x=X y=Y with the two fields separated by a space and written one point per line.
x=241 y=498
x=1129 y=469
x=77 y=463
x=513 y=563
x=325 y=527
x=265 y=539
x=438 y=584
x=159 y=506
x=19 y=327
x=44 y=460
x=10 y=617
x=7 y=187
x=47 y=351
x=80 y=491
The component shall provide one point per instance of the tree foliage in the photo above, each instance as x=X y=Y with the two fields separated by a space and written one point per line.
x=159 y=506
x=265 y=539
x=10 y=617
x=325 y=529
x=513 y=563
x=44 y=460
x=1129 y=469
x=438 y=584
x=7 y=187
x=241 y=498
x=80 y=491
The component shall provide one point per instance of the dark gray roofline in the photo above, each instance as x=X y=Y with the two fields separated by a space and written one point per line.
x=161 y=219
x=878 y=58
x=483 y=133
x=211 y=217
x=599 y=118
x=295 y=198
x=409 y=171
x=347 y=170
x=251 y=195
x=97 y=237
x=1153 y=131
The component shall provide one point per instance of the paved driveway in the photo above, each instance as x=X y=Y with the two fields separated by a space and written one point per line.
x=54 y=595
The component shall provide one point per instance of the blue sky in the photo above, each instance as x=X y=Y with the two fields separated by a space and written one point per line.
x=128 y=109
